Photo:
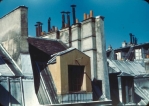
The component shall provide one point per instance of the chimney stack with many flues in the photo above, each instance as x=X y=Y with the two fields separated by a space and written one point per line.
x=73 y=14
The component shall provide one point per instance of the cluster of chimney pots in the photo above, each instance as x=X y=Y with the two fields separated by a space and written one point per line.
x=38 y=25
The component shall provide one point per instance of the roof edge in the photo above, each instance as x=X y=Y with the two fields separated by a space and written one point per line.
x=22 y=6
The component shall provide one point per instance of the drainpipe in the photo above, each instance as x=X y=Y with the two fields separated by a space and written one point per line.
x=8 y=82
x=22 y=91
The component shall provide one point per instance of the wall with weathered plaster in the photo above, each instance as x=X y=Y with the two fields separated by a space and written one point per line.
x=13 y=37
x=102 y=69
x=14 y=31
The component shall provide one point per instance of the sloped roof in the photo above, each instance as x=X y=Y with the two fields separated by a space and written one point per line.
x=49 y=46
x=8 y=66
x=134 y=46
x=129 y=67
x=53 y=60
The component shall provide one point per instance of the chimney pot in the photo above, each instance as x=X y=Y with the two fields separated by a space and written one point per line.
x=85 y=16
x=56 y=29
x=73 y=14
x=53 y=28
x=63 y=19
x=68 y=18
x=88 y=16
x=131 y=39
x=49 y=24
x=66 y=25
x=77 y=21
x=91 y=13
x=39 y=25
x=36 y=29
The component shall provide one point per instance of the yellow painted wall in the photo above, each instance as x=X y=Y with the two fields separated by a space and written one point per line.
x=56 y=74
x=59 y=71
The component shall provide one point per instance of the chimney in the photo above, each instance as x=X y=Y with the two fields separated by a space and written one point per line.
x=63 y=19
x=73 y=14
x=39 y=25
x=85 y=16
x=68 y=18
x=131 y=38
x=49 y=24
x=36 y=29
x=91 y=13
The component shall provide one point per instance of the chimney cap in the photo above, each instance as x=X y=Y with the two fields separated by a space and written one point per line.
x=67 y=12
x=38 y=22
x=73 y=5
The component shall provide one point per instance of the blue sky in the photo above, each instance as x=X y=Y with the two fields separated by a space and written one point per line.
x=121 y=16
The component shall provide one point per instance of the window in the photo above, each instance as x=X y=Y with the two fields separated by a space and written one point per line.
x=128 y=89
x=118 y=55
x=75 y=77
x=138 y=54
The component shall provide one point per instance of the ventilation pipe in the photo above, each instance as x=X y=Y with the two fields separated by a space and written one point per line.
x=63 y=19
x=68 y=18
x=73 y=14
x=49 y=24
